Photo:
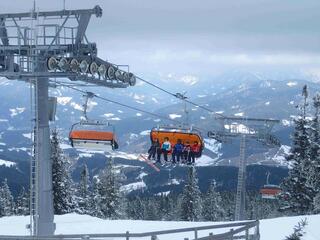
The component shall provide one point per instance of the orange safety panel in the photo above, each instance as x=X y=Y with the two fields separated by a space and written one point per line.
x=91 y=135
x=270 y=191
x=174 y=136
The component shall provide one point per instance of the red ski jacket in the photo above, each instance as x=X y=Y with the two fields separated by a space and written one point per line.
x=195 y=148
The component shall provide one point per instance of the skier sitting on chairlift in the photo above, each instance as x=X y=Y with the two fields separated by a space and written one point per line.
x=186 y=151
x=177 y=151
x=195 y=149
x=166 y=148
x=154 y=148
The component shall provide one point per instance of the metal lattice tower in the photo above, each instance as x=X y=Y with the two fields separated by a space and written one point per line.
x=234 y=127
x=37 y=46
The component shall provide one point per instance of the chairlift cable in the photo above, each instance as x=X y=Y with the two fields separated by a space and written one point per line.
x=177 y=96
x=121 y=104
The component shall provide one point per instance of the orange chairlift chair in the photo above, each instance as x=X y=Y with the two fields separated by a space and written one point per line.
x=270 y=191
x=91 y=134
x=174 y=133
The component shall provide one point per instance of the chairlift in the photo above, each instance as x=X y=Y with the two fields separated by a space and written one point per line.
x=186 y=135
x=92 y=134
x=270 y=191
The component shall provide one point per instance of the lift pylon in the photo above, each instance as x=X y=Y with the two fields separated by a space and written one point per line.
x=245 y=128
x=36 y=46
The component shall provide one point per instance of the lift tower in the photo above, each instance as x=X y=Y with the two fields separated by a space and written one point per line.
x=235 y=127
x=36 y=46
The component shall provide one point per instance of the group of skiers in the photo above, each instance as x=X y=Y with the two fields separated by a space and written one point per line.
x=180 y=152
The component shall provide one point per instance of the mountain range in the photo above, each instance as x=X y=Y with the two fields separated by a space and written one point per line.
x=234 y=93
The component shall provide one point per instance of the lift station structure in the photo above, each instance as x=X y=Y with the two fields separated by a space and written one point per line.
x=245 y=128
x=35 y=47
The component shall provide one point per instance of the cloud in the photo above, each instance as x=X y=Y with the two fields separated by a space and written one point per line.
x=188 y=38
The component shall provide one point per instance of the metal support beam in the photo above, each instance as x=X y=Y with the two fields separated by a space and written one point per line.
x=96 y=10
x=45 y=215
x=3 y=32
x=241 y=186
x=83 y=24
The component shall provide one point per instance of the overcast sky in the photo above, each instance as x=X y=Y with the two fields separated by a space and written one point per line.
x=200 y=37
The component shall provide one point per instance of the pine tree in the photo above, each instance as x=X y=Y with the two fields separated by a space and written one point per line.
x=108 y=193
x=167 y=207
x=83 y=193
x=6 y=200
x=259 y=208
x=298 y=231
x=212 y=209
x=228 y=204
x=297 y=192
x=22 y=203
x=316 y=204
x=135 y=208
x=151 y=209
x=61 y=180
x=314 y=176
x=95 y=199
x=190 y=206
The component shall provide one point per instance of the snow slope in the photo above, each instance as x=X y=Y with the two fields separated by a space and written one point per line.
x=275 y=229
x=6 y=163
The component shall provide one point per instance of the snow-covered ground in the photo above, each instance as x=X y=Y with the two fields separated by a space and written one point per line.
x=270 y=229
x=6 y=163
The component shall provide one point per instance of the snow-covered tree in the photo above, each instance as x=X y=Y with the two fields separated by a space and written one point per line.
x=316 y=204
x=6 y=200
x=151 y=209
x=314 y=176
x=83 y=193
x=108 y=195
x=297 y=191
x=298 y=231
x=95 y=199
x=190 y=206
x=168 y=207
x=61 y=179
x=259 y=208
x=22 y=203
x=212 y=209
x=135 y=208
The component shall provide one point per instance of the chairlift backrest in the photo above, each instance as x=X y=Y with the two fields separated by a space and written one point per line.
x=93 y=135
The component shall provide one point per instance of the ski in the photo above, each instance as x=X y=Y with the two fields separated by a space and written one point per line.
x=149 y=162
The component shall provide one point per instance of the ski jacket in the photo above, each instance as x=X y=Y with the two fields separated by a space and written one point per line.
x=154 y=147
x=186 y=148
x=155 y=144
x=195 y=148
x=178 y=147
x=166 y=146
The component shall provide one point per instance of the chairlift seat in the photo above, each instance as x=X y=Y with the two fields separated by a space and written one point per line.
x=175 y=133
x=270 y=191
x=83 y=138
